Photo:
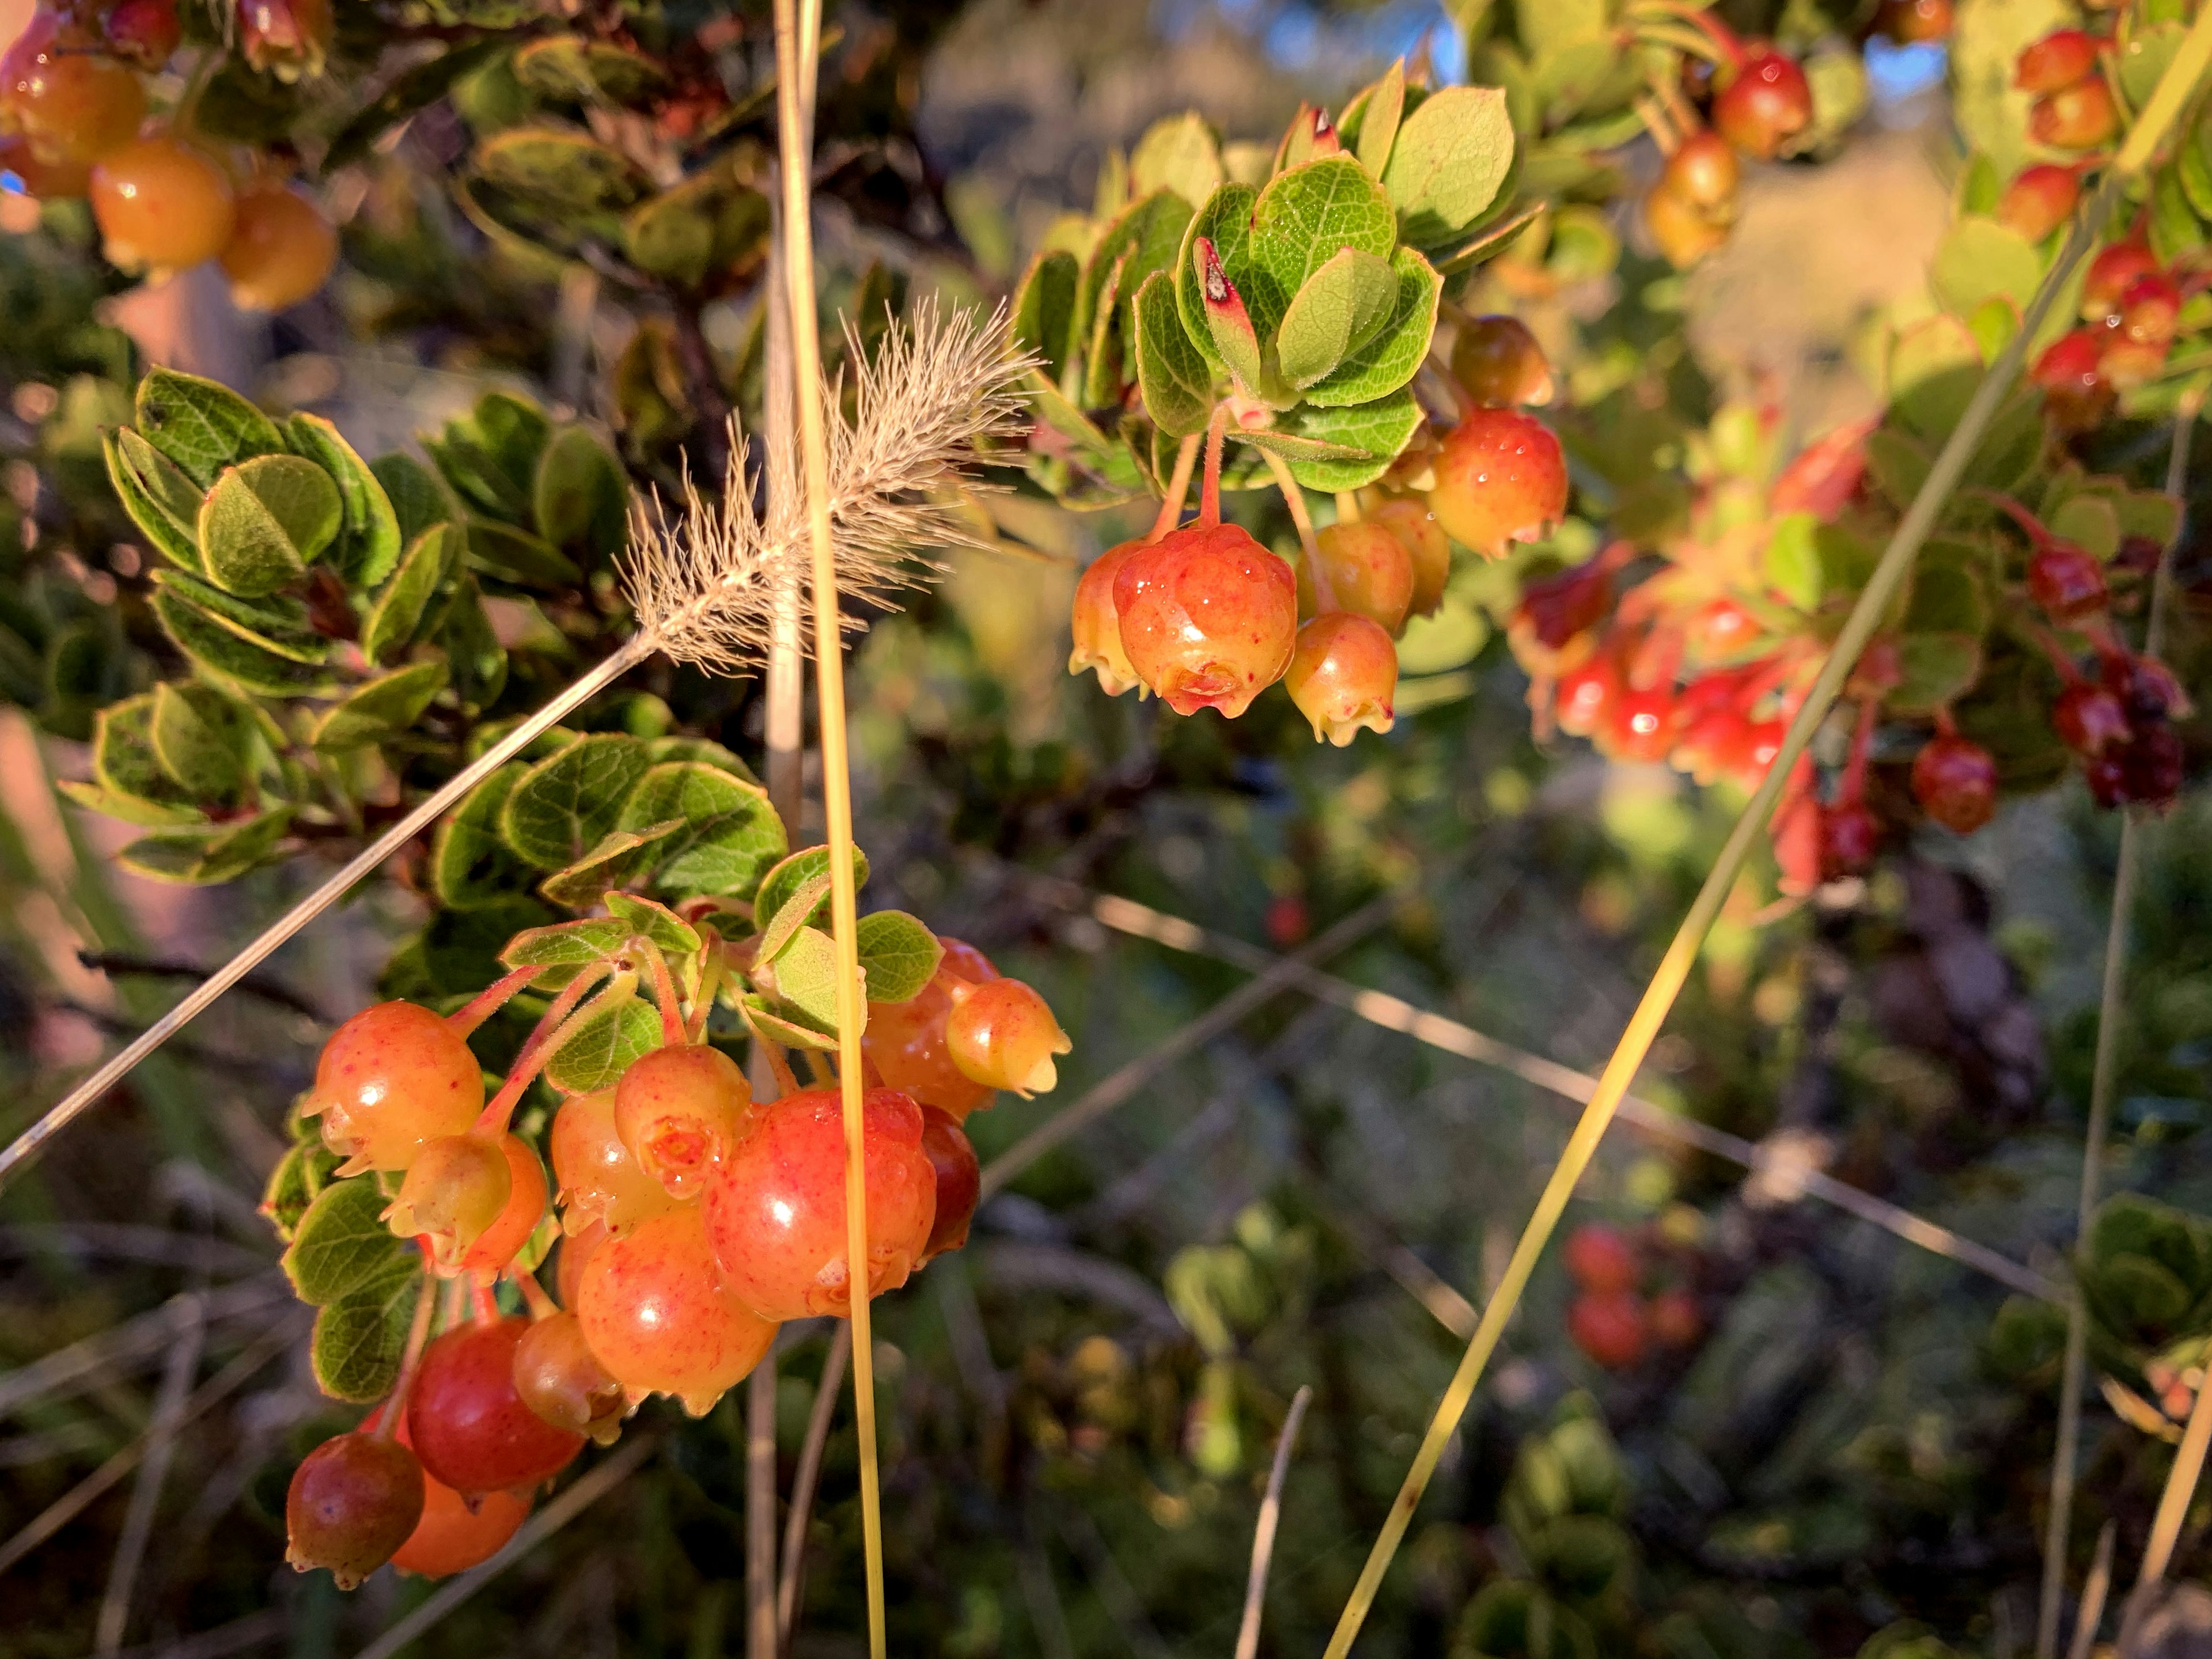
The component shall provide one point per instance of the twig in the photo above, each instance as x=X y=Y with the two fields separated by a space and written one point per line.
x=133 y=1339
x=2172 y=1509
x=1263 y=1537
x=804 y=1480
x=2093 y=1592
x=2104 y=1078
x=160 y=1441
x=268 y=989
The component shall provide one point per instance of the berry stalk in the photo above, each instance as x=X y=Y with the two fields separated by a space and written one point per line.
x=1295 y=499
x=1178 y=487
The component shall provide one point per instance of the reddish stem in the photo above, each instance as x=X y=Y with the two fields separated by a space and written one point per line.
x=1178 y=487
x=486 y=1306
x=663 y=993
x=491 y=999
x=1855 y=769
x=386 y=1416
x=538 y=1050
x=534 y=1294
x=1725 y=40
x=1209 y=492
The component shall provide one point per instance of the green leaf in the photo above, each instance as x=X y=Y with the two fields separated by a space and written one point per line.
x=201 y=426
x=300 y=1176
x=601 y=1049
x=1044 y=310
x=478 y=660
x=341 y=1243
x=1946 y=595
x=511 y=433
x=2175 y=231
x=126 y=763
x=656 y=922
x=806 y=976
x=1451 y=156
x=1302 y=220
x=1172 y=375
x=573 y=70
x=564 y=804
x=510 y=555
x=1933 y=367
x=1374 y=432
x=1981 y=260
x=230 y=658
x=613 y=862
x=782 y=885
x=127 y=809
x=1225 y=220
x=369 y=542
x=275 y=625
x=1342 y=306
x=208 y=860
x=1487 y=243
x=202 y=739
x=264 y=522
x=1178 y=153
x=730 y=834
x=418 y=500
x=2192 y=166
x=2090 y=520
x=699 y=232
x=1544 y=27
x=1391 y=358
x=1937 y=668
x=381 y=709
x=1792 y=560
x=1149 y=234
x=360 y=1342
x=1900 y=465
x=2144 y=57
x=705 y=751
x=154 y=490
x=780 y=1023
x=559 y=169
x=580 y=500
x=898 y=954
x=397 y=613
x=1382 y=108
x=568 y=943
x=414 y=89
x=471 y=865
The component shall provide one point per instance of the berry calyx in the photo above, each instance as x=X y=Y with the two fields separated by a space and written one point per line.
x=558 y=1377
x=1496 y=360
x=353 y=1501
x=1408 y=519
x=1208 y=616
x=69 y=101
x=774 y=1212
x=1500 y=478
x=2089 y=719
x=2066 y=580
x=457 y=1187
x=1343 y=677
x=1955 y=781
x=1002 y=1034
x=679 y=1110
x=1599 y=1260
x=600 y=1182
x=1096 y=625
x=392 y=1079
x=281 y=248
x=1767 y=102
x=456 y=1532
x=959 y=1181
x=2083 y=117
x=2060 y=59
x=161 y=203
x=1609 y=1326
x=2040 y=199
x=1370 y=572
x=470 y=1424
x=287 y=39
x=654 y=1312
x=904 y=1042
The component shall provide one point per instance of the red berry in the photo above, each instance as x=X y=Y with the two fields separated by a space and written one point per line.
x=1683 y=232
x=1914 y=23
x=69 y=102
x=656 y=1315
x=468 y=1424
x=1641 y=725
x=1600 y=1260
x=1608 y=1328
x=1849 y=837
x=1721 y=629
x=959 y=1181
x=2066 y=580
x=1751 y=750
x=2111 y=275
x=576 y=1248
x=1586 y=694
x=1824 y=476
x=1208 y=617
x=2040 y=199
x=457 y=1187
x=2088 y=719
x=1497 y=359
x=1500 y=478
x=390 y=1080
x=1704 y=174
x=281 y=250
x=2146 y=687
x=599 y=1180
x=287 y=39
x=1675 y=1319
x=2107 y=777
x=2070 y=371
x=1765 y=104
x=518 y=1218
x=1002 y=1034
x=41 y=180
x=2082 y=117
x=775 y=1211
x=679 y=1110
x=2155 y=762
x=904 y=1042
x=143 y=32
x=1369 y=571
x=2150 y=309
x=1343 y=677
x=353 y=1501
x=1564 y=607
x=1408 y=519
x=1955 y=781
x=457 y=1532
x=558 y=1377
x=2059 y=59
x=1098 y=626
x=161 y=202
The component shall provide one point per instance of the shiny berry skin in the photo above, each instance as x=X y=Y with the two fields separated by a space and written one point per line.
x=1704 y=172
x=1674 y=1319
x=144 y=33
x=352 y=1502
x=775 y=1211
x=41 y=180
x=1640 y=726
x=2111 y=275
x=1408 y=519
x=457 y=1187
x=2059 y=59
x=904 y=1042
x=1721 y=629
x=467 y=1422
x=1369 y=573
x=1955 y=781
x=1915 y=22
x=574 y=1255
x=1496 y=360
x=2071 y=373
x=1501 y=478
x=390 y=1080
x=456 y=1533
x=518 y=1218
x=657 y=1315
x=2083 y=116
x=558 y=1377
x=1585 y=696
x=2146 y=687
x=287 y=39
x=1343 y=677
x=69 y=102
x=1765 y=104
x=2155 y=762
x=2066 y=580
x=2040 y=199
x=1609 y=1327
x=1207 y=617
x=1682 y=232
x=1599 y=1260
x=2150 y=309
x=679 y=1110
x=1849 y=837
x=598 y=1179
x=1564 y=607
x=2088 y=719
x=1097 y=625
x=281 y=250
x=959 y=1180
x=1002 y=1034
x=161 y=202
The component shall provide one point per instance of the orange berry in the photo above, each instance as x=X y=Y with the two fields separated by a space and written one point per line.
x=1343 y=677
x=160 y=202
x=1408 y=519
x=281 y=250
x=68 y=99
x=1369 y=571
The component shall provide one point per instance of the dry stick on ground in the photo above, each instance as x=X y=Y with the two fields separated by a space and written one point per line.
x=2104 y=1075
x=1658 y=999
x=76 y=1367
x=2093 y=1592
x=169 y=1403
x=804 y=1480
x=1263 y=1535
x=2172 y=1509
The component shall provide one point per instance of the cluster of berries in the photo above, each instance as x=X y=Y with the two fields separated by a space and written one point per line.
x=2130 y=314
x=1208 y=619
x=1612 y=1319
x=694 y=1217
x=2065 y=73
x=73 y=124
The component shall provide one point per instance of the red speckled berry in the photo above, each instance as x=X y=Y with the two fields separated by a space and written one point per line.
x=1208 y=617
x=1640 y=726
x=456 y=1189
x=959 y=1180
x=1704 y=171
x=1915 y=22
x=468 y=1424
x=905 y=1040
x=2150 y=309
x=1096 y=625
x=71 y=101
x=679 y=1110
x=390 y=1080
x=2080 y=117
x=353 y=1501
x=558 y=1377
x=1408 y=519
x=1766 y=103
x=1002 y=1034
x=1343 y=677
x=161 y=202
x=1586 y=695
x=599 y=1180
x=1955 y=781
x=1501 y=478
x=1610 y=1328
x=655 y=1313
x=1600 y=1260
x=1369 y=571
x=2040 y=199
x=2059 y=59
x=2071 y=373
x=281 y=250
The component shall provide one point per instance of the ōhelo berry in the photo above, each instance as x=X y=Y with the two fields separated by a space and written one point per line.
x=469 y=1424
x=1500 y=478
x=2084 y=116
x=1585 y=695
x=1369 y=573
x=1850 y=837
x=1766 y=102
x=679 y=1110
x=600 y=1182
x=1564 y=606
x=2040 y=198
x=67 y=100
x=2110 y=274
x=1915 y=22
x=1343 y=677
x=776 y=1210
x=1641 y=724
x=2066 y=580
x=42 y=180
x=352 y=1502
x=1674 y=1319
x=2071 y=373
x=904 y=1042
x=287 y=39
x=576 y=1254
x=1409 y=519
x=455 y=1190
x=1002 y=1034
x=1208 y=617
x=1096 y=625
x=1599 y=1259
x=1496 y=360
x=1683 y=234
x=2088 y=718
x=1955 y=781
x=655 y=1314
x=1609 y=1325
x=160 y=202
x=562 y=1380
x=456 y=1531
x=1704 y=174
x=144 y=32
x=2058 y=60
x=390 y=1079
x=959 y=1180
x=281 y=248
